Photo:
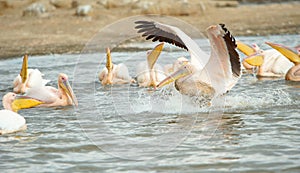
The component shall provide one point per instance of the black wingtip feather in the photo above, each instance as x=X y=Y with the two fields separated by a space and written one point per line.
x=149 y=30
x=234 y=56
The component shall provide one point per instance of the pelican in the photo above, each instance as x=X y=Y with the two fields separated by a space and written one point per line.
x=293 y=54
x=114 y=74
x=28 y=78
x=270 y=63
x=216 y=77
x=150 y=74
x=10 y=120
x=50 y=96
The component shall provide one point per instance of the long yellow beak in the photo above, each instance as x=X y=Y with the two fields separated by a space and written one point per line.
x=287 y=52
x=24 y=103
x=69 y=91
x=246 y=49
x=182 y=72
x=154 y=54
x=109 y=64
x=255 y=60
x=24 y=71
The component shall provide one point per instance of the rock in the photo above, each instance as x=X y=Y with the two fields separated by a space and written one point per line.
x=75 y=4
x=35 y=9
x=61 y=3
x=175 y=8
x=4 y=4
x=227 y=3
x=83 y=10
x=116 y=3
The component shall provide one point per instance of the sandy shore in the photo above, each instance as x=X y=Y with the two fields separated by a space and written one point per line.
x=60 y=31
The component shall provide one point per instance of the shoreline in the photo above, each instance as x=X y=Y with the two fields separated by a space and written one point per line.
x=61 y=31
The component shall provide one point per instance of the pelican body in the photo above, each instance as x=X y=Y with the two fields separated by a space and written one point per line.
x=114 y=74
x=216 y=74
x=293 y=55
x=270 y=63
x=28 y=78
x=51 y=97
x=149 y=74
x=10 y=120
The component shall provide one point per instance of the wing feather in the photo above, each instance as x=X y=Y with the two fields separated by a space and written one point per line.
x=157 y=31
x=234 y=56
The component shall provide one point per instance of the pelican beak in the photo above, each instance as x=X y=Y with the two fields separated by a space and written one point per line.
x=246 y=49
x=24 y=103
x=255 y=59
x=287 y=52
x=65 y=85
x=154 y=54
x=109 y=64
x=24 y=71
x=182 y=72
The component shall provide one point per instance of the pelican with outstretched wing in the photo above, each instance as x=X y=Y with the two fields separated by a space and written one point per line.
x=114 y=73
x=28 y=78
x=293 y=54
x=203 y=75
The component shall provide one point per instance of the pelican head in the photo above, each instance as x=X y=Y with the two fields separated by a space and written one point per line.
x=64 y=85
x=298 y=49
x=24 y=70
x=181 y=61
x=11 y=102
x=287 y=52
x=24 y=75
x=182 y=72
x=109 y=66
x=215 y=32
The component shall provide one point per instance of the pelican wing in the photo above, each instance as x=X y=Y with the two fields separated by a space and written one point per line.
x=165 y=33
x=44 y=94
x=35 y=78
x=224 y=67
x=234 y=56
x=161 y=32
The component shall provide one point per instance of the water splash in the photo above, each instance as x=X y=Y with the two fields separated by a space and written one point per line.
x=259 y=100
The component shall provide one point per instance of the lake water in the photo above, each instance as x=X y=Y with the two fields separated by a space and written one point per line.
x=125 y=128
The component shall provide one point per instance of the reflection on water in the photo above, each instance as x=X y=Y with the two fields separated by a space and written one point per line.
x=257 y=128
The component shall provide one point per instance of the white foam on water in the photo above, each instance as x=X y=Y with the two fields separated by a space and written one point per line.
x=165 y=101
x=258 y=100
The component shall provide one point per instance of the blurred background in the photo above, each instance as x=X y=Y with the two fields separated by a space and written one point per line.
x=64 y=26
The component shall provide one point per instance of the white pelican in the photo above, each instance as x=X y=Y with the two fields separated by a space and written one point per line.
x=294 y=56
x=28 y=78
x=50 y=96
x=270 y=63
x=149 y=74
x=218 y=76
x=114 y=74
x=10 y=120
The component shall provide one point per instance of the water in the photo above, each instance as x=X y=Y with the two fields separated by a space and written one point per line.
x=131 y=129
